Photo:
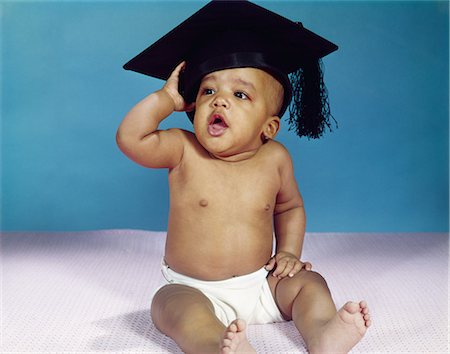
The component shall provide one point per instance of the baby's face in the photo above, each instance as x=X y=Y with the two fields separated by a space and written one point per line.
x=233 y=108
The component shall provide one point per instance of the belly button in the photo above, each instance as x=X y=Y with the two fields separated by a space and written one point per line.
x=203 y=202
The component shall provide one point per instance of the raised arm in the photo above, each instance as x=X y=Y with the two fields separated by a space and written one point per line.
x=138 y=136
x=289 y=222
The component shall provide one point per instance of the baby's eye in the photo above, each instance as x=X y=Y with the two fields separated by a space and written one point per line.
x=208 y=91
x=241 y=95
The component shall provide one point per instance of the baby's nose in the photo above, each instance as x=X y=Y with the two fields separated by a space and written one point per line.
x=220 y=102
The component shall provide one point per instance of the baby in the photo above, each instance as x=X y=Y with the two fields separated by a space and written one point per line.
x=229 y=183
x=232 y=188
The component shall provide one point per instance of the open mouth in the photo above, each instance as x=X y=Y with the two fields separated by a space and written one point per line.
x=217 y=125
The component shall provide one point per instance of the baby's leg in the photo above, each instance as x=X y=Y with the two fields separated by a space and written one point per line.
x=344 y=330
x=187 y=316
x=306 y=299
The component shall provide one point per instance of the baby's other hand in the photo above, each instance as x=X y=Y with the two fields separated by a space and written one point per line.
x=286 y=264
x=171 y=88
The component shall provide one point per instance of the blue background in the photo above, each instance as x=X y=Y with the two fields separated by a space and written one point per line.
x=64 y=94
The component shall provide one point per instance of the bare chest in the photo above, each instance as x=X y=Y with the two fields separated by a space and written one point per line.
x=233 y=188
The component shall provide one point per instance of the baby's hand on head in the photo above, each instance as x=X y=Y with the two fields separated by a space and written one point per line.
x=286 y=264
x=171 y=88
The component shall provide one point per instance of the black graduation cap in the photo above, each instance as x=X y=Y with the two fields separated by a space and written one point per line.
x=233 y=34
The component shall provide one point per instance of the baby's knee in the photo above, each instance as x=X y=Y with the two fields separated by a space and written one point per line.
x=160 y=302
x=302 y=279
x=178 y=302
x=169 y=297
x=313 y=277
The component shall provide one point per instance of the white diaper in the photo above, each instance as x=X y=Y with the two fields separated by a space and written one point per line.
x=247 y=297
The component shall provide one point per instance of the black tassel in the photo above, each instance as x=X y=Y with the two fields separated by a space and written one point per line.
x=309 y=111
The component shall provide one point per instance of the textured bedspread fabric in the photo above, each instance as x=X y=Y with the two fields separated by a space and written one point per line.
x=91 y=291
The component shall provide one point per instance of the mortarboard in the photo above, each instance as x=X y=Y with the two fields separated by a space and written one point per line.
x=233 y=34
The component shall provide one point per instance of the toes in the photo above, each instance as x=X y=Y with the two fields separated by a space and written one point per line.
x=351 y=307
x=233 y=327
x=226 y=343
x=229 y=335
x=226 y=351
x=364 y=307
x=365 y=310
x=240 y=325
x=235 y=338
x=367 y=320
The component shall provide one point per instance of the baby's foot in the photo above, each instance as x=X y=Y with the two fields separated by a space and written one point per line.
x=235 y=339
x=345 y=330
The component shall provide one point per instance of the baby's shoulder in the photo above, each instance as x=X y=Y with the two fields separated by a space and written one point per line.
x=192 y=147
x=186 y=136
x=277 y=151
x=183 y=134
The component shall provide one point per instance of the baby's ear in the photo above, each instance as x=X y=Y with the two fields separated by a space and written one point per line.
x=271 y=127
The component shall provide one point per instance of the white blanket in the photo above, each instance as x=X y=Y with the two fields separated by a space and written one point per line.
x=91 y=291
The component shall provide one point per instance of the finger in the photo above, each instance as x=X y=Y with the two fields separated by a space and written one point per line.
x=307 y=265
x=288 y=269
x=179 y=68
x=174 y=76
x=270 y=264
x=279 y=269
x=298 y=266
x=280 y=265
x=283 y=268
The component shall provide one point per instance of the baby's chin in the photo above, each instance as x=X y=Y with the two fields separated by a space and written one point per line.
x=214 y=147
x=230 y=154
